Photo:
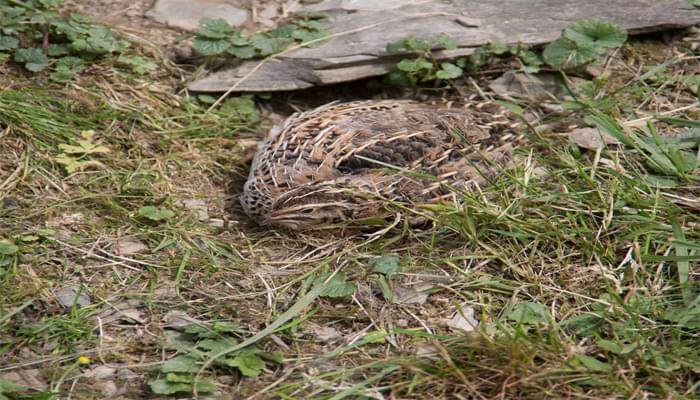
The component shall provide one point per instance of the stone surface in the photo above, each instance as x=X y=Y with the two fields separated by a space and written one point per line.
x=70 y=295
x=363 y=28
x=185 y=14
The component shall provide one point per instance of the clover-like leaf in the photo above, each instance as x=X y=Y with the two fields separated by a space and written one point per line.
x=33 y=58
x=138 y=64
x=449 y=71
x=242 y=52
x=564 y=53
x=215 y=28
x=8 y=43
x=598 y=32
x=416 y=65
x=210 y=47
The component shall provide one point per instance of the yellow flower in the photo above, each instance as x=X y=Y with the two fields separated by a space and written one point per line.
x=83 y=360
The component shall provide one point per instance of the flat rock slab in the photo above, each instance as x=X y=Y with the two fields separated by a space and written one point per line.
x=363 y=28
x=185 y=14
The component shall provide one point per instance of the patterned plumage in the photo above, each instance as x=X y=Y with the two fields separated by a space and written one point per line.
x=344 y=162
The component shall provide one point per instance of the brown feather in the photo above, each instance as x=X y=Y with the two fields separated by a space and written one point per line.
x=341 y=161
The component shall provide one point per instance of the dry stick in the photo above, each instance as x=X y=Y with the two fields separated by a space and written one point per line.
x=304 y=44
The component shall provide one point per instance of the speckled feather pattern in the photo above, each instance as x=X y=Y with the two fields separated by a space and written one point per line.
x=343 y=161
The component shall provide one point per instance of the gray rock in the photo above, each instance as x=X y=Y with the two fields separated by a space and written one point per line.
x=70 y=295
x=185 y=14
x=362 y=30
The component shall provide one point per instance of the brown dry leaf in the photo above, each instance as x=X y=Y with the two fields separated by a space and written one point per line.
x=533 y=87
x=409 y=295
x=463 y=321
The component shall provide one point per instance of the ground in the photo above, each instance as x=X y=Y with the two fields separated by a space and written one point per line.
x=573 y=275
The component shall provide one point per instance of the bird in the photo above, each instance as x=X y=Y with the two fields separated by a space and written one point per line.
x=345 y=163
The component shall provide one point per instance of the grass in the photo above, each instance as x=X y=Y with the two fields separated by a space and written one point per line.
x=580 y=266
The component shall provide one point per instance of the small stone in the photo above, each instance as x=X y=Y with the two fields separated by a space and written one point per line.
x=108 y=388
x=178 y=319
x=127 y=374
x=407 y=295
x=591 y=138
x=185 y=14
x=72 y=295
x=127 y=247
x=326 y=333
x=101 y=372
x=200 y=206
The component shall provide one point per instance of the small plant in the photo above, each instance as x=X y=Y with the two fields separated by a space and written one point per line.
x=198 y=344
x=579 y=45
x=35 y=35
x=76 y=157
x=583 y=43
x=424 y=66
x=216 y=37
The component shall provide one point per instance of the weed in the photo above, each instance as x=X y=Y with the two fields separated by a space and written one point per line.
x=216 y=37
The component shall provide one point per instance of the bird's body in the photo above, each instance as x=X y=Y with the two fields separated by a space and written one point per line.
x=345 y=161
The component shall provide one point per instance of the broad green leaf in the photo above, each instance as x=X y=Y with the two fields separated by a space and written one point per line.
x=417 y=44
x=597 y=32
x=33 y=58
x=414 y=65
x=565 y=54
x=226 y=327
x=155 y=214
x=215 y=28
x=56 y=50
x=163 y=386
x=307 y=35
x=270 y=45
x=208 y=47
x=446 y=42
x=8 y=43
x=247 y=361
x=610 y=346
x=242 y=105
x=497 y=48
x=140 y=65
x=386 y=265
x=7 y=248
x=449 y=71
x=215 y=345
x=181 y=363
x=242 y=52
x=528 y=313
x=338 y=285
x=593 y=364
